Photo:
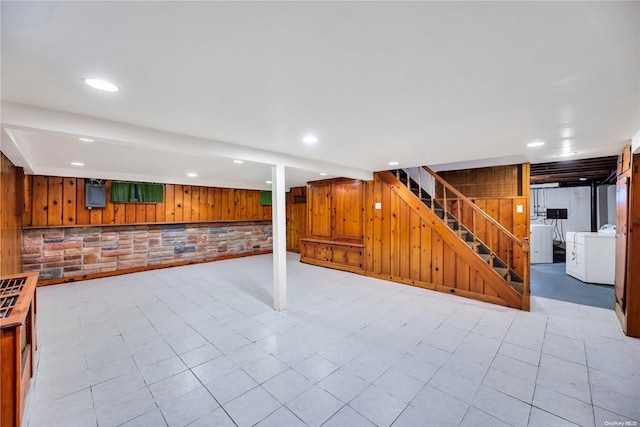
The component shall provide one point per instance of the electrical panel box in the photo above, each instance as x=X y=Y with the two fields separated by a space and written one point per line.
x=556 y=214
x=95 y=194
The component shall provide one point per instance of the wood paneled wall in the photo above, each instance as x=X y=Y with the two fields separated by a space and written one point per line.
x=11 y=207
x=296 y=218
x=496 y=182
x=505 y=211
x=58 y=201
x=401 y=246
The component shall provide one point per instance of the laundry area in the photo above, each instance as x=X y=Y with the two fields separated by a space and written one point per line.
x=573 y=241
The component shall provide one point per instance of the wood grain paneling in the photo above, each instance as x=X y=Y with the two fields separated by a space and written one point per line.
x=319 y=205
x=335 y=218
x=347 y=198
x=10 y=217
x=296 y=218
x=57 y=201
x=497 y=181
x=627 y=278
x=410 y=245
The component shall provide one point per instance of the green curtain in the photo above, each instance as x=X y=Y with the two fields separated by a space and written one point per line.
x=131 y=192
x=150 y=193
x=122 y=192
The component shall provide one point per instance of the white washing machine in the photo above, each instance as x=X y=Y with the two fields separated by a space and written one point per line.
x=541 y=244
x=591 y=257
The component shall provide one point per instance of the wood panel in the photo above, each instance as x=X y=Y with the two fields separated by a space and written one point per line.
x=425 y=252
x=296 y=218
x=83 y=215
x=69 y=201
x=10 y=218
x=497 y=181
x=54 y=201
x=369 y=207
x=319 y=207
x=627 y=282
x=347 y=199
x=57 y=201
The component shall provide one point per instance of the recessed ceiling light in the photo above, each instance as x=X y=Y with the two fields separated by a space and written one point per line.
x=192 y=175
x=323 y=174
x=394 y=163
x=535 y=144
x=268 y=182
x=239 y=162
x=582 y=178
x=87 y=139
x=567 y=154
x=77 y=163
x=102 y=85
x=310 y=139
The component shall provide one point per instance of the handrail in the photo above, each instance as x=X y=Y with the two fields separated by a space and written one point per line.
x=475 y=207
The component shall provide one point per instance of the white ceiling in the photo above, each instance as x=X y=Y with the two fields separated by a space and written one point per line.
x=416 y=82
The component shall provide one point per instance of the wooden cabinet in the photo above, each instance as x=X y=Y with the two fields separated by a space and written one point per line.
x=335 y=232
x=334 y=254
x=17 y=344
x=336 y=210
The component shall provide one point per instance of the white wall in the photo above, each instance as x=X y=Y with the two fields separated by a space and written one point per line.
x=577 y=201
x=611 y=204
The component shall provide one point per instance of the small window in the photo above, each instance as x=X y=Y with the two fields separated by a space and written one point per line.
x=136 y=192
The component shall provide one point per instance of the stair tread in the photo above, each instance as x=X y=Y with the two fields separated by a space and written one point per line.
x=501 y=270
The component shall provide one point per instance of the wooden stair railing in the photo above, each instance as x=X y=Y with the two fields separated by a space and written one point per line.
x=505 y=253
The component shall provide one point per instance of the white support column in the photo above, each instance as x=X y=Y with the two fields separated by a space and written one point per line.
x=279 y=238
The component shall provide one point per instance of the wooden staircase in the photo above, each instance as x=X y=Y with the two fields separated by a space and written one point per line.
x=501 y=256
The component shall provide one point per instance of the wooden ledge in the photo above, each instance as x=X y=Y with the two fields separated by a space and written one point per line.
x=333 y=242
x=228 y=221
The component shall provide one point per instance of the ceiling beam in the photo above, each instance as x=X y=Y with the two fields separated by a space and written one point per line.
x=21 y=116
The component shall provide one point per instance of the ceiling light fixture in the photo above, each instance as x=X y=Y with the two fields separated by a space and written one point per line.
x=323 y=174
x=238 y=162
x=310 y=139
x=102 y=85
x=77 y=163
x=268 y=182
x=582 y=178
x=394 y=163
x=87 y=140
x=192 y=175
x=535 y=144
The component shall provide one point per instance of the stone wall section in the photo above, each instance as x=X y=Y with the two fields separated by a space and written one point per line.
x=65 y=252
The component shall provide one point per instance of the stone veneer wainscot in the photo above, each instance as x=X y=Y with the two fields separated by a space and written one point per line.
x=65 y=252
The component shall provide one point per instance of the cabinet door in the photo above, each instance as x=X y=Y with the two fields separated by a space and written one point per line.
x=319 y=204
x=622 y=213
x=347 y=255
x=349 y=216
x=624 y=160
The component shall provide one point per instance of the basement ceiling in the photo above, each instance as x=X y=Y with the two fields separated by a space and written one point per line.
x=576 y=172
x=414 y=82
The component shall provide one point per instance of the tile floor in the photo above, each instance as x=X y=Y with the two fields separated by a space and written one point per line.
x=201 y=346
